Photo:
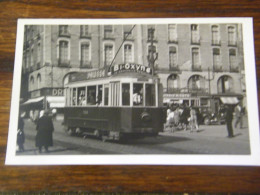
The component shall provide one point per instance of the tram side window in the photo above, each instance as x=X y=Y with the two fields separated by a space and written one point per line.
x=150 y=94
x=91 y=93
x=81 y=96
x=99 y=95
x=74 y=97
x=126 y=94
x=138 y=94
x=106 y=93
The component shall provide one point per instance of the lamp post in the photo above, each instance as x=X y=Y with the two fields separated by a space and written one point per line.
x=152 y=54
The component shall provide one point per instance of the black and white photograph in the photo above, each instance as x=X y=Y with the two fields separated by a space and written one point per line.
x=175 y=91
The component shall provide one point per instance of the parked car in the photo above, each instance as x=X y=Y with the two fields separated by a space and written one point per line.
x=207 y=117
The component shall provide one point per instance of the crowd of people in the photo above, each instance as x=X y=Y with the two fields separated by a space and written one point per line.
x=183 y=117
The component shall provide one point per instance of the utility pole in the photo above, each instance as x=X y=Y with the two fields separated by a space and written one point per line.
x=152 y=55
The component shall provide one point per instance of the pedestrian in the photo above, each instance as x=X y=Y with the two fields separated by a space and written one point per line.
x=170 y=120
x=193 y=120
x=177 y=116
x=44 y=129
x=184 y=117
x=229 y=119
x=239 y=112
x=20 y=134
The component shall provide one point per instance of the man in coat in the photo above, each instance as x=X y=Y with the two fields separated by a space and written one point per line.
x=44 y=129
x=229 y=119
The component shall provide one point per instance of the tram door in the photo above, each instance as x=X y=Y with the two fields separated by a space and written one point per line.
x=115 y=94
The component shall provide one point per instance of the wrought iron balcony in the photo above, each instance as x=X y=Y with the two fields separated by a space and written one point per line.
x=63 y=63
x=85 y=64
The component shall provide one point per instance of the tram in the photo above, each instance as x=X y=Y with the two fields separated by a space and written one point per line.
x=120 y=102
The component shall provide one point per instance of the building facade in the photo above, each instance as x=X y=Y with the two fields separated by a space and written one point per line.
x=198 y=64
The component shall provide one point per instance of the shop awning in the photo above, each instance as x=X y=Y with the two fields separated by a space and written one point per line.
x=56 y=101
x=229 y=100
x=34 y=100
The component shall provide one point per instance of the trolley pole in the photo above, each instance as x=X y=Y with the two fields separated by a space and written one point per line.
x=152 y=54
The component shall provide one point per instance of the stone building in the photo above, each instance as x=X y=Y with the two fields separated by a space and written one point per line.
x=198 y=64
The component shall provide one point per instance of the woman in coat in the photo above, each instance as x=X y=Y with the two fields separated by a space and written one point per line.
x=44 y=132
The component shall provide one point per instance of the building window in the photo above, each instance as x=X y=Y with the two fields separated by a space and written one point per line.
x=85 y=55
x=172 y=32
x=84 y=31
x=38 y=81
x=63 y=30
x=196 y=83
x=152 y=54
x=216 y=59
x=31 y=82
x=27 y=59
x=195 y=39
x=232 y=60
x=196 y=59
x=172 y=57
x=128 y=53
x=38 y=53
x=173 y=83
x=232 y=36
x=215 y=35
x=151 y=32
x=108 y=31
x=63 y=53
x=32 y=58
x=225 y=84
x=108 y=54
x=127 y=31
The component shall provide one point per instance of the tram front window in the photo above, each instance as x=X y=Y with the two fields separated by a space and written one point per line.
x=91 y=93
x=150 y=94
x=126 y=94
x=138 y=94
x=81 y=96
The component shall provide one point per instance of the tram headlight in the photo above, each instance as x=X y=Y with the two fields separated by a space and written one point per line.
x=145 y=116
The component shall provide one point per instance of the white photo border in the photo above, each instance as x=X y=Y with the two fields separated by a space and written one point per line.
x=252 y=159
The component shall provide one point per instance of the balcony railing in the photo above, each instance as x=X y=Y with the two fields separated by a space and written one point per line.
x=85 y=35
x=174 y=68
x=64 y=63
x=215 y=42
x=196 y=68
x=232 y=43
x=84 y=64
x=234 y=69
x=218 y=69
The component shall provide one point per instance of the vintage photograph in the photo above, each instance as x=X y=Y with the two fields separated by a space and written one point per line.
x=134 y=91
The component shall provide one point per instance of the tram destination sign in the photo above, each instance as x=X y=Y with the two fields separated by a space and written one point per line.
x=130 y=67
x=81 y=76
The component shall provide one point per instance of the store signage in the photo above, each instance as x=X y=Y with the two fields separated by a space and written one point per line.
x=35 y=94
x=81 y=76
x=130 y=67
x=57 y=92
x=177 y=95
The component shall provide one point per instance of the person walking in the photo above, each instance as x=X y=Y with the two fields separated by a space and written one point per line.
x=44 y=129
x=20 y=134
x=184 y=116
x=229 y=119
x=239 y=116
x=193 y=120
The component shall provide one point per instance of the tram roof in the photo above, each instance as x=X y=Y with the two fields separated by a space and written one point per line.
x=117 y=71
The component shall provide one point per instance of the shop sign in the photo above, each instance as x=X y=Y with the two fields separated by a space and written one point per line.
x=177 y=95
x=81 y=76
x=130 y=67
x=35 y=94
x=57 y=92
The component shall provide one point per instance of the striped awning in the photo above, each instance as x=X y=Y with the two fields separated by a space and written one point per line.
x=229 y=100
x=34 y=100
